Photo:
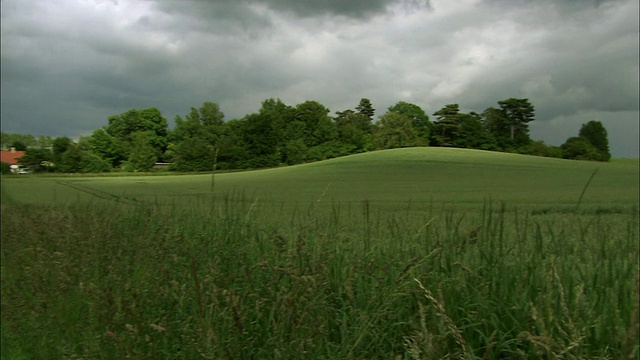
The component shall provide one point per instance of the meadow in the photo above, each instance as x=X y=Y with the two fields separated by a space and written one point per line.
x=415 y=253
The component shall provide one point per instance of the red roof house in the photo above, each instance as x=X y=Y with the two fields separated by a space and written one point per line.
x=11 y=156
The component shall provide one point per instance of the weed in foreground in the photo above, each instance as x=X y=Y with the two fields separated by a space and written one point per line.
x=236 y=279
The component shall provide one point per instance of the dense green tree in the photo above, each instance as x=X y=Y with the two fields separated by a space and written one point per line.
x=194 y=154
x=260 y=136
x=519 y=113
x=5 y=168
x=123 y=126
x=497 y=123
x=23 y=141
x=204 y=124
x=107 y=147
x=318 y=125
x=472 y=134
x=210 y=115
x=59 y=146
x=457 y=129
x=419 y=118
x=19 y=145
x=143 y=155
x=44 y=142
x=365 y=108
x=233 y=149
x=539 y=148
x=92 y=163
x=596 y=134
x=327 y=150
x=580 y=148
x=396 y=130
x=354 y=131
x=186 y=128
x=39 y=159
x=447 y=126
x=295 y=152
x=286 y=130
x=70 y=161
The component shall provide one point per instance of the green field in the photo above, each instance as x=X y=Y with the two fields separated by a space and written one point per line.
x=414 y=253
x=440 y=175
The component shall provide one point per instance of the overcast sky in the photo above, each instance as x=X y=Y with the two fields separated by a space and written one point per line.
x=69 y=64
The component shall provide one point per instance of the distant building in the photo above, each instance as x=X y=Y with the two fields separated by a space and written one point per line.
x=161 y=165
x=11 y=156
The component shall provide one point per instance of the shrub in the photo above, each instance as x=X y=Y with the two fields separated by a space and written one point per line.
x=6 y=168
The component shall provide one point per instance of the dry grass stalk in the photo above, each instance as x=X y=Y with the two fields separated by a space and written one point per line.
x=492 y=343
x=630 y=345
x=442 y=313
x=417 y=235
x=415 y=261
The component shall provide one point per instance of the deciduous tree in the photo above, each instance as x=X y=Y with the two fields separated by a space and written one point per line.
x=596 y=134
x=396 y=131
x=419 y=118
x=580 y=148
x=143 y=155
x=150 y=120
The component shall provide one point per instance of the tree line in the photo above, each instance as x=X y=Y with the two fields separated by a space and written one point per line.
x=283 y=134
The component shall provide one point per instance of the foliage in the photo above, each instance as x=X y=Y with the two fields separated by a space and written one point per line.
x=37 y=159
x=472 y=134
x=295 y=152
x=328 y=150
x=193 y=154
x=495 y=121
x=260 y=136
x=539 y=148
x=518 y=112
x=234 y=150
x=282 y=134
x=19 y=145
x=354 y=130
x=318 y=125
x=419 y=118
x=447 y=125
x=59 y=146
x=579 y=148
x=92 y=163
x=5 y=168
x=366 y=108
x=596 y=134
x=107 y=147
x=143 y=155
x=24 y=141
x=397 y=130
x=70 y=161
x=76 y=160
x=123 y=127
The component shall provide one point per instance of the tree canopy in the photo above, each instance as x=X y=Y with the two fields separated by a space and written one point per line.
x=284 y=134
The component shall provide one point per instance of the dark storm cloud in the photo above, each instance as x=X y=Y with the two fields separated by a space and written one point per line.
x=69 y=64
x=236 y=9
x=353 y=8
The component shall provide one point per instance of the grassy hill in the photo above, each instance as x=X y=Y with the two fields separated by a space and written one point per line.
x=418 y=253
x=440 y=175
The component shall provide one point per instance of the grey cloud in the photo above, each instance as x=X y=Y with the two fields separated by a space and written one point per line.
x=353 y=8
x=236 y=10
x=64 y=72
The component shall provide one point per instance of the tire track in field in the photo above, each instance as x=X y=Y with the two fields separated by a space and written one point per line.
x=103 y=194
x=120 y=199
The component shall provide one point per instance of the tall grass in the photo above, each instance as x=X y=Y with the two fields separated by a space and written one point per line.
x=238 y=279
